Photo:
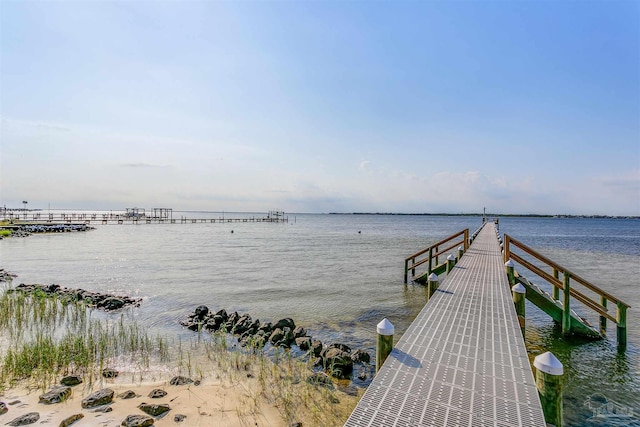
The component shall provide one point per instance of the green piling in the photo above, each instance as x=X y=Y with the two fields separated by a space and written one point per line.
x=519 y=292
x=432 y=284
x=603 y=320
x=510 y=272
x=385 y=342
x=566 y=305
x=549 y=381
x=451 y=261
x=460 y=252
x=621 y=319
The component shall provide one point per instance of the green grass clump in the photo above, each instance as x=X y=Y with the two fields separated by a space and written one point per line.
x=5 y=233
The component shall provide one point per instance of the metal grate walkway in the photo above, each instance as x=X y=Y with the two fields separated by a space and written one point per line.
x=463 y=361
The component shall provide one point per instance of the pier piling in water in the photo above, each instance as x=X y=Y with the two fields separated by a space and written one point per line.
x=510 y=272
x=519 y=293
x=432 y=284
x=451 y=261
x=549 y=371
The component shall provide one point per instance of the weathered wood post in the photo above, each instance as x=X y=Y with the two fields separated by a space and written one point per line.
x=511 y=272
x=451 y=261
x=460 y=252
x=406 y=271
x=432 y=284
x=549 y=372
x=556 y=290
x=431 y=261
x=603 y=320
x=621 y=319
x=566 y=304
x=519 y=292
x=385 y=342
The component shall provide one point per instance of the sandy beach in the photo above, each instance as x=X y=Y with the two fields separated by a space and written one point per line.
x=208 y=404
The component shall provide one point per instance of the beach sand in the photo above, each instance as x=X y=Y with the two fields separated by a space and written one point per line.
x=208 y=404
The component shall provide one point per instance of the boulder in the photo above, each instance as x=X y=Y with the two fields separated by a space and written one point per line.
x=338 y=362
x=180 y=380
x=30 y=418
x=285 y=323
x=98 y=398
x=157 y=393
x=154 y=410
x=304 y=343
x=71 y=380
x=3 y=408
x=109 y=373
x=179 y=418
x=57 y=394
x=129 y=394
x=137 y=421
x=299 y=332
x=70 y=420
x=360 y=356
x=111 y=303
x=201 y=311
x=316 y=347
x=266 y=327
x=242 y=325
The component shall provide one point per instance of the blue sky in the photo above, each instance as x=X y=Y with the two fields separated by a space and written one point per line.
x=322 y=106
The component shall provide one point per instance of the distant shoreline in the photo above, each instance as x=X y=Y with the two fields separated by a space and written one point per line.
x=491 y=215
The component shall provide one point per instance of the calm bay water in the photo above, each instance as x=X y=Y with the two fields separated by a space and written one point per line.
x=338 y=276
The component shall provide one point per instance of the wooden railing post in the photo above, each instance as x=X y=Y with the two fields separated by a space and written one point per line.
x=507 y=249
x=413 y=270
x=622 y=326
x=430 y=261
x=603 y=320
x=556 y=290
x=406 y=271
x=566 y=305
x=466 y=239
x=437 y=250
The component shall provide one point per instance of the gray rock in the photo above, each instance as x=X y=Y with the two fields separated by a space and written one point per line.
x=57 y=394
x=98 y=398
x=30 y=418
x=137 y=421
x=304 y=343
x=71 y=380
x=201 y=311
x=179 y=418
x=111 y=303
x=338 y=362
x=70 y=420
x=360 y=356
x=154 y=410
x=157 y=393
x=179 y=380
x=129 y=394
x=316 y=346
x=299 y=332
x=109 y=373
x=3 y=408
x=285 y=323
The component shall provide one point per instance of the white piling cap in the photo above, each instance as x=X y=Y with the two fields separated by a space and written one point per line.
x=519 y=289
x=461 y=248
x=548 y=363
x=385 y=327
x=451 y=257
x=433 y=277
x=509 y=264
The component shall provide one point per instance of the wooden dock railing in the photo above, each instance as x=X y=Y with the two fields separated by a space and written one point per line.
x=563 y=279
x=430 y=255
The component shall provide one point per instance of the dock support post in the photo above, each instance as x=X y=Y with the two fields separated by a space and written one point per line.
x=460 y=252
x=431 y=261
x=385 y=342
x=510 y=272
x=566 y=305
x=549 y=372
x=406 y=271
x=519 y=292
x=621 y=319
x=603 y=320
x=432 y=284
x=451 y=261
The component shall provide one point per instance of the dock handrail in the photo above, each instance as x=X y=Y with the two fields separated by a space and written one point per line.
x=561 y=279
x=431 y=256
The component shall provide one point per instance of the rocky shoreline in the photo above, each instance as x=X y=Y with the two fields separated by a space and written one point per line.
x=336 y=359
x=103 y=301
x=26 y=230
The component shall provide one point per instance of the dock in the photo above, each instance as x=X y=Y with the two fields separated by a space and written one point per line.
x=463 y=360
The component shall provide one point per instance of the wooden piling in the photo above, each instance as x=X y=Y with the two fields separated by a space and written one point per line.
x=460 y=252
x=432 y=284
x=385 y=342
x=621 y=319
x=518 y=293
x=603 y=320
x=566 y=304
x=451 y=261
x=549 y=371
x=510 y=272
